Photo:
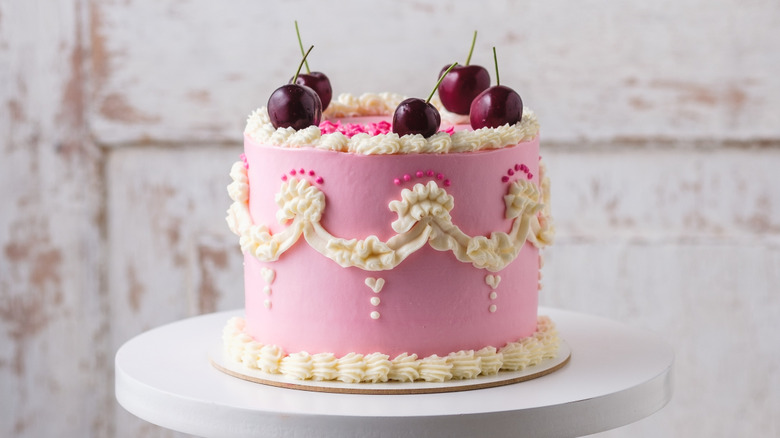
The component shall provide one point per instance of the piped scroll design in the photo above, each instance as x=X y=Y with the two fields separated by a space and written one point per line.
x=423 y=217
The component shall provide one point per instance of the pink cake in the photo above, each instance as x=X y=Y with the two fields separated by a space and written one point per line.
x=370 y=257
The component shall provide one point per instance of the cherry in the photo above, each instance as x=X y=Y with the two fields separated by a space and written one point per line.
x=315 y=80
x=318 y=82
x=293 y=105
x=496 y=106
x=463 y=84
x=417 y=116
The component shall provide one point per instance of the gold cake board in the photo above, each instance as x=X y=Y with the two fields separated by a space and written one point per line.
x=545 y=367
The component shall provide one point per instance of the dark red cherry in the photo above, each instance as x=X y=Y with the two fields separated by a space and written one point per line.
x=294 y=106
x=496 y=106
x=461 y=85
x=318 y=82
x=416 y=116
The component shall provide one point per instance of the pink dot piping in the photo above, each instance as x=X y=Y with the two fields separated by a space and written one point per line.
x=422 y=174
x=302 y=172
x=519 y=167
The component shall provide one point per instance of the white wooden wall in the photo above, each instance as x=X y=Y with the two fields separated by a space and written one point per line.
x=119 y=121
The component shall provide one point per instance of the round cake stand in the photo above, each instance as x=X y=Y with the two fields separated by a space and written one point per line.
x=616 y=375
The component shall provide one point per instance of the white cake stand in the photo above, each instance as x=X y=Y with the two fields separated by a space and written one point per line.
x=616 y=375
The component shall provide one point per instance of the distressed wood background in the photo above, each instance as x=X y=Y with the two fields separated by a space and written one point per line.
x=119 y=121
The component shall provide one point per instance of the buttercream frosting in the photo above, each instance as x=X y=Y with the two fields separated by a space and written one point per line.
x=378 y=367
x=373 y=141
x=423 y=217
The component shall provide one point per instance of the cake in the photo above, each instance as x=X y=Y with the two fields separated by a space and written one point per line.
x=374 y=257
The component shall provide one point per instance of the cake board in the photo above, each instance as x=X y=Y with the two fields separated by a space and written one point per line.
x=617 y=375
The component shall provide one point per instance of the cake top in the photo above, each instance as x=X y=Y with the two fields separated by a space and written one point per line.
x=361 y=125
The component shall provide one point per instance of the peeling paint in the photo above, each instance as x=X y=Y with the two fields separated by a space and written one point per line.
x=200 y=96
x=99 y=56
x=135 y=290
x=26 y=317
x=761 y=220
x=16 y=110
x=35 y=264
x=115 y=107
x=72 y=101
x=732 y=96
x=639 y=103
x=209 y=259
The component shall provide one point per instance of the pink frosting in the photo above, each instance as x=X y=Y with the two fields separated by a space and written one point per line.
x=431 y=303
x=367 y=127
x=350 y=129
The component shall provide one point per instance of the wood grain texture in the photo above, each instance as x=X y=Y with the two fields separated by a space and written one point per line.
x=716 y=303
x=666 y=195
x=55 y=361
x=170 y=254
x=119 y=122
x=595 y=70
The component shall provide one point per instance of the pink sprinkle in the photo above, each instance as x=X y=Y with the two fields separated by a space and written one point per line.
x=439 y=176
x=407 y=177
x=292 y=172
x=524 y=168
x=397 y=181
x=450 y=130
x=319 y=180
x=328 y=127
x=505 y=178
x=352 y=129
x=429 y=173
x=311 y=173
x=303 y=172
x=510 y=172
x=517 y=167
x=372 y=129
x=419 y=174
x=530 y=175
x=382 y=127
x=447 y=183
x=284 y=177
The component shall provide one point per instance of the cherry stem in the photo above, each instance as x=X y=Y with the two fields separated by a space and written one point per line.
x=439 y=83
x=300 y=66
x=300 y=44
x=495 y=61
x=471 y=50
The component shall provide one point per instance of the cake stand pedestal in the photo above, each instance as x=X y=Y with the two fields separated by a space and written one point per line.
x=617 y=375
